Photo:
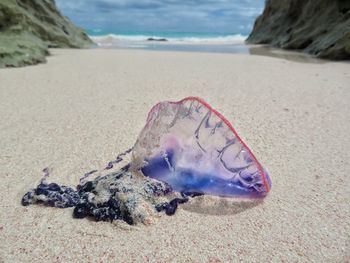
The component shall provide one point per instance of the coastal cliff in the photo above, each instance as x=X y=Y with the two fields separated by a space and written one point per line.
x=318 y=27
x=29 y=27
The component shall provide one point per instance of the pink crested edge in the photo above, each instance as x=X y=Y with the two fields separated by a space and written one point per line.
x=220 y=116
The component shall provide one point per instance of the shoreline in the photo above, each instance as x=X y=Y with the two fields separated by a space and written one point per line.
x=245 y=48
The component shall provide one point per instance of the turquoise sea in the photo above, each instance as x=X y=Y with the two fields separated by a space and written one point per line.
x=181 y=41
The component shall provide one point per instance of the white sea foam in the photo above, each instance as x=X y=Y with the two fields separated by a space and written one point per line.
x=114 y=39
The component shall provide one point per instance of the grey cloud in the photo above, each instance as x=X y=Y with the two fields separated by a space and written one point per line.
x=112 y=5
x=153 y=15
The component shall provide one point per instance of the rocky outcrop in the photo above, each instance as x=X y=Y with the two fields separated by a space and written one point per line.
x=29 y=27
x=318 y=27
x=157 y=39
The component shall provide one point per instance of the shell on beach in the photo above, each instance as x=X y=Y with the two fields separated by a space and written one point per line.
x=193 y=148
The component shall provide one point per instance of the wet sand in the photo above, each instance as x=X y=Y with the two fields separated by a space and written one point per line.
x=210 y=47
x=78 y=111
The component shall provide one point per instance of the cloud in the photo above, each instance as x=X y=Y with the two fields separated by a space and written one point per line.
x=110 y=5
x=164 y=15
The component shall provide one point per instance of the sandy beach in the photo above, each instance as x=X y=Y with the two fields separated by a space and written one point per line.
x=83 y=107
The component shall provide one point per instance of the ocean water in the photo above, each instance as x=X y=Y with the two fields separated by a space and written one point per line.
x=181 y=41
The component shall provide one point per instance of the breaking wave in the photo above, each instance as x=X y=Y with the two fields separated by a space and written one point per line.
x=120 y=39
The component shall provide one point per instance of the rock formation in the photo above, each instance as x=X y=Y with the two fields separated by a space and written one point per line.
x=29 y=27
x=318 y=27
x=157 y=39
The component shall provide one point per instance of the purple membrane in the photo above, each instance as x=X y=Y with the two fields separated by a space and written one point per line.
x=192 y=147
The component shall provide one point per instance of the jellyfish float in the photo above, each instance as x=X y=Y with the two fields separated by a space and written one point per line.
x=194 y=148
x=186 y=149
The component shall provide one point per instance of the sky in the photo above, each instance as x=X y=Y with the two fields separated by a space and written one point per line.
x=215 y=16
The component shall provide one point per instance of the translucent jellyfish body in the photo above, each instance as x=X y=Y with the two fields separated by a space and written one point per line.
x=193 y=148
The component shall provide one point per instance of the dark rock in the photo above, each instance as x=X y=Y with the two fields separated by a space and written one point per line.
x=29 y=28
x=318 y=27
x=157 y=39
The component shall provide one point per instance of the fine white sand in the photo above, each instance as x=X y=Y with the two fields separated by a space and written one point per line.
x=83 y=107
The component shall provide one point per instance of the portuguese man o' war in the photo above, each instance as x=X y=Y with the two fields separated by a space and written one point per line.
x=194 y=148
x=186 y=149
